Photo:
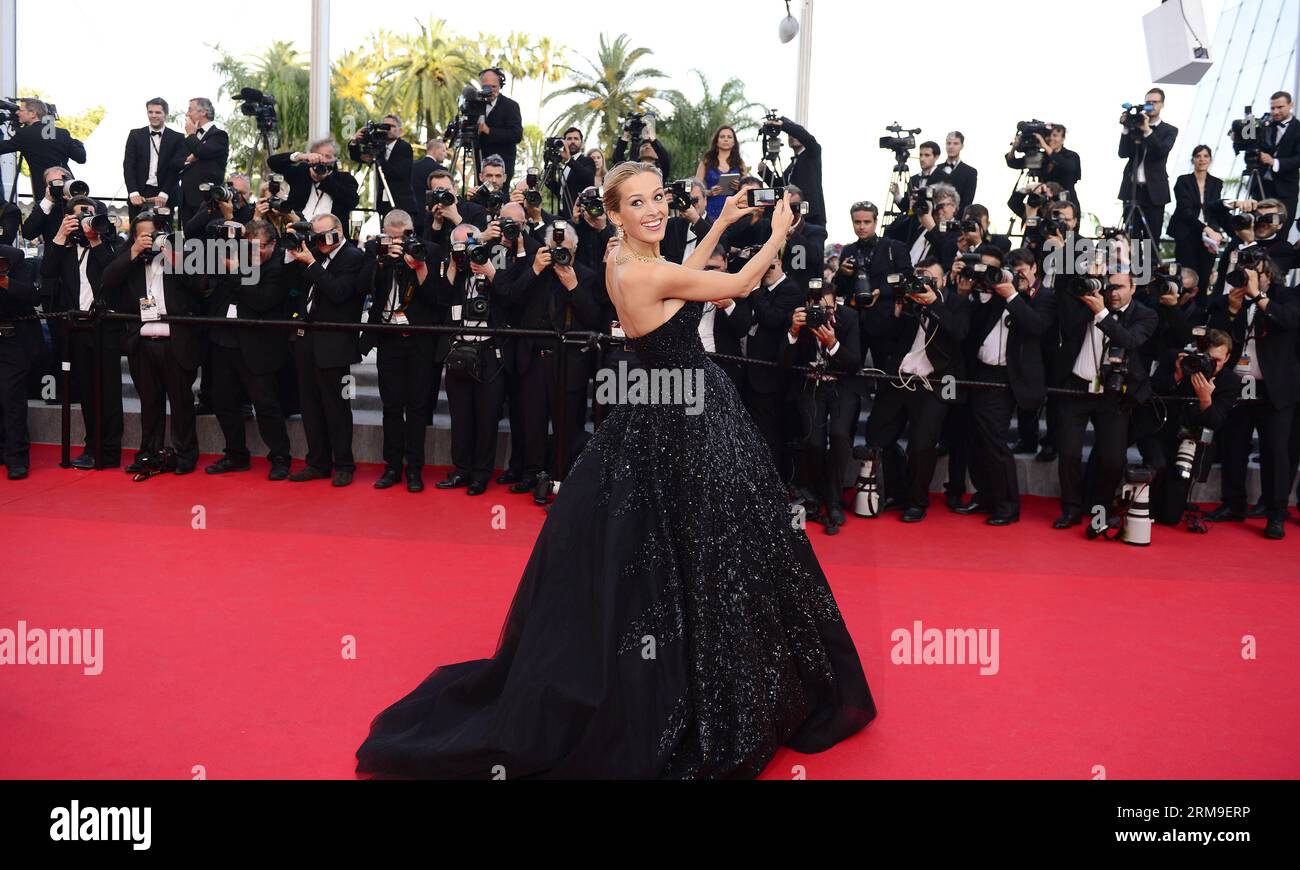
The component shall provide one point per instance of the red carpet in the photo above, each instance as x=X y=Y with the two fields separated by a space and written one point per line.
x=223 y=647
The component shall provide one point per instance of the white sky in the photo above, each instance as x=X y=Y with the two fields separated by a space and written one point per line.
x=946 y=64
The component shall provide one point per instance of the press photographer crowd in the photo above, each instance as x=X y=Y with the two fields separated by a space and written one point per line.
x=924 y=334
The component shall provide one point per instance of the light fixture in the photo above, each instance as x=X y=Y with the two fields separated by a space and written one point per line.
x=789 y=27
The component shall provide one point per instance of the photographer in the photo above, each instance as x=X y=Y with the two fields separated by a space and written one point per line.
x=20 y=348
x=207 y=147
x=446 y=211
x=1059 y=164
x=72 y=280
x=1099 y=357
x=316 y=184
x=555 y=296
x=144 y=281
x=934 y=321
x=42 y=143
x=501 y=127
x=962 y=176
x=327 y=273
x=402 y=285
x=1009 y=322
x=247 y=361
x=1145 y=144
x=576 y=173
x=825 y=336
x=931 y=229
x=861 y=277
x=229 y=202
x=474 y=293
x=1281 y=158
x=687 y=226
x=382 y=146
x=1159 y=434
x=1262 y=316
x=153 y=159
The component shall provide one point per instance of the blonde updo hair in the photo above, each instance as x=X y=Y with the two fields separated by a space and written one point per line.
x=615 y=178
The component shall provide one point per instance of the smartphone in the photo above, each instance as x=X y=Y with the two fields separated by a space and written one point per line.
x=729 y=182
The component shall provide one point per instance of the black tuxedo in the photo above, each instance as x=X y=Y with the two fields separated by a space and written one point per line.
x=397 y=170
x=42 y=153
x=804 y=171
x=209 y=167
x=140 y=143
x=340 y=186
x=964 y=177
x=505 y=131
x=1153 y=152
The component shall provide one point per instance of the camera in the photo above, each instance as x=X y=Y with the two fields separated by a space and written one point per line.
x=439 y=196
x=298 y=234
x=591 y=202
x=533 y=193
x=258 y=106
x=560 y=255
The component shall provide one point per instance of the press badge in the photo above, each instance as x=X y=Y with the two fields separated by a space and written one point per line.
x=148 y=309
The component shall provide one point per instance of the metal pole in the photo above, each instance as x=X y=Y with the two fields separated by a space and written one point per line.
x=805 y=64
x=318 y=120
x=8 y=77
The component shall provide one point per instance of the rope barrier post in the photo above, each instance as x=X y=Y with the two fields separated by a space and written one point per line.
x=97 y=371
x=65 y=397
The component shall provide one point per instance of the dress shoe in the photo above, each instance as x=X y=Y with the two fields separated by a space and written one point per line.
x=414 y=482
x=1257 y=512
x=225 y=464
x=17 y=472
x=1275 y=530
x=1064 y=521
x=1225 y=514
x=975 y=506
x=1001 y=518
x=476 y=488
x=342 y=478
x=279 y=472
x=387 y=479
x=1025 y=447
x=524 y=484
x=508 y=477
x=453 y=481
x=85 y=462
x=1047 y=454
x=913 y=515
x=308 y=473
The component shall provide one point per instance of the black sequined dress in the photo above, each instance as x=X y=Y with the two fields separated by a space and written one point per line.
x=671 y=622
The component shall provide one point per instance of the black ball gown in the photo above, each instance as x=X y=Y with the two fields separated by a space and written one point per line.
x=671 y=622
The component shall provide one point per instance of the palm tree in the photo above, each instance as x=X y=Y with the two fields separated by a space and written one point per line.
x=689 y=127
x=610 y=92
x=422 y=80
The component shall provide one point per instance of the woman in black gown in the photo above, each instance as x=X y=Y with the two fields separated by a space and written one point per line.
x=672 y=620
x=1198 y=211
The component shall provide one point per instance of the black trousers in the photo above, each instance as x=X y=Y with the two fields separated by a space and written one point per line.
x=405 y=366
x=922 y=413
x=231 y=378
x=1110 y=421
x=1154 y=214
x=476 y=415
x=160 y=379
x=326 y=414
x=991 y=412
x=827 y=413
x=538 y=404
x=1274 y=427
x=81 y=344
x=15 y=364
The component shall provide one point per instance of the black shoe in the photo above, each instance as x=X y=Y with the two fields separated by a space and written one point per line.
x=508 y=477
x=414 y=482
x=476 y=488
x=1256 y=512
x=225 y=464
x=954 y=501
x=453 y=481
x=1066 y=520
x=278 y=472
x=342 y=478
x=308 y=473
x=1025 y=447
x=1225 y=514
x=187 y=468
x=1002 y=518
x=388 y=478
x=1275 y=530
x=913 y=515
x=1047 y=454
x=85 y=462
x=975 y=506
x=18 y=472
x=524 y=484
